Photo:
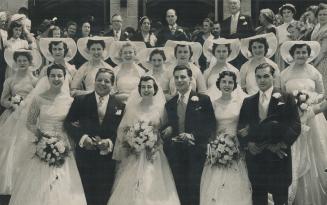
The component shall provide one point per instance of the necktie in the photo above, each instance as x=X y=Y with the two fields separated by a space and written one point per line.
x=173 y=29
x=101 y=110
x=181 y=109
x=233 y=26
x=263 y=106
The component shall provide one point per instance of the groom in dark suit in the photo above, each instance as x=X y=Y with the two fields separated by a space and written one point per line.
x=191 y=122
x=92 y=121
x=268 y=125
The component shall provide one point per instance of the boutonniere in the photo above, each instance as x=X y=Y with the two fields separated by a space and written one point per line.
x=180 y=30
x=245 y=23
x=242 y=17
x=277 y=95
x=195 y=98
x=118 y=112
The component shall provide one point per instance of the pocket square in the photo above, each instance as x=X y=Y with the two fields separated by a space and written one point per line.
x=281 y=103
x=118 y=112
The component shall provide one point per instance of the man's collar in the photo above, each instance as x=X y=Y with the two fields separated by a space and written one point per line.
x=268 y=92
x=97 y=96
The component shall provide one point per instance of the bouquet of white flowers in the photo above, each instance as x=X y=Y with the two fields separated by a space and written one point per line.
x=51 y=149
x=223 y=151
x=302 y=100
x=16 y=100
x=142 y=136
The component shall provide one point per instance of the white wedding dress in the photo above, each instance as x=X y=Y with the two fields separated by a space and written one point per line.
x=140 y=181
x=38 y=183
x=226 y=186
x=309 y=153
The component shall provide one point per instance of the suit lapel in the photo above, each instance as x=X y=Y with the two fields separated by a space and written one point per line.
x=189 y=108
x=94 y=108
x=110 y=109
x=272 y=104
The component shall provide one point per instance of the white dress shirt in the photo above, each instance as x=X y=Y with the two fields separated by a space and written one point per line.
x=234 y=21
x=102 y=108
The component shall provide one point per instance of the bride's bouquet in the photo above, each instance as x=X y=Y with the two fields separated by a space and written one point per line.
x=223 y=151
x=302 y=100
x=16 y=100
x=141 y=136
x=51 y=149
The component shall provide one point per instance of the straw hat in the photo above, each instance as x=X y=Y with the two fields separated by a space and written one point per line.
x=170 y=49
x=71 y=45
x=82 y=46
x=116 y=47
x=36 y=61
x=271 y=40
x=286 y=46
x=235 y=47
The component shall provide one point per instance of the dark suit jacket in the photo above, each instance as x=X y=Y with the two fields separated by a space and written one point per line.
x=165 y=34
x=267 y=168
x=97 y=171
x=187 y=161
x=111 y=34
x=244 y=27
x=139 y=37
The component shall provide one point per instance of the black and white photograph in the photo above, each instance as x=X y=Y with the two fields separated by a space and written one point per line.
x=163 y=102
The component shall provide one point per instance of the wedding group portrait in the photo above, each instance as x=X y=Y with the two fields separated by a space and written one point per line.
x=163 y=102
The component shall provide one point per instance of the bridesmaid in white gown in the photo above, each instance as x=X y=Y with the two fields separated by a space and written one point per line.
x=220 y=186
x=17 y=86
x=309 y=152
x=220 y=52
x=127 y=71
x=95 y=50
x=140 y=181
x=38 y=183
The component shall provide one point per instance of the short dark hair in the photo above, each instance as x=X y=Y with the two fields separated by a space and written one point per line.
x=54 y=28
x=259 y=40
x=55 y=43
x=157 y=51
x=27 y=54
x=70 y=23
x=183 y=67
x=12 y=25
x=214 y=46
x=106 y=70
x=265 y=65
x=54 y=67
x=226 y=73
x=90 y=42
x=147 y=78
x=180 y=45
x=295 y=46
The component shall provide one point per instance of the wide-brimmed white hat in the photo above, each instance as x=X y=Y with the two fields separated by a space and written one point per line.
x=235 y=47
x=286 y=46
x=82 y=46
x=170 y=49
x=36 y=61
x=116 y=47
x=271 y=40
x=71 y=45
x=144 y=57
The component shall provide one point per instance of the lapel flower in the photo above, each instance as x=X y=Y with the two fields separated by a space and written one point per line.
x=245 y=23
x=118 y=112
x=277 y=95
x=195 y=98
x=180 y=30
x=242 y=17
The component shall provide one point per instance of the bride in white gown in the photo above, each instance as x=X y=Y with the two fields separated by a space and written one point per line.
x=140 y=181
x=38 y=183
x=309 y=185
x=226 y=185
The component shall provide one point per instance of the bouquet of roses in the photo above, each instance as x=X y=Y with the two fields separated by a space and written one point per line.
x=16 y=100
x=302 y=100
x=223 y=151
x=51 y=149
x=142 y=136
